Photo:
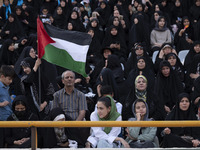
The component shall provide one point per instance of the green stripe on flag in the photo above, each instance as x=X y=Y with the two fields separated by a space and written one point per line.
x=61 y=58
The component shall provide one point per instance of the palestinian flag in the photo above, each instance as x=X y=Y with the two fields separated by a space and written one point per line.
x=64 y=48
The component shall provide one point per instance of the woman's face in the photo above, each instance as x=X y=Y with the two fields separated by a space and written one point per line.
x=106 y=53
x=69 y=26
x=177 y=3
x=113 y=31
x=139 y=51
x=197 y=3
x=141 y=64
x=6 y=2
x=186 y=22
x=102 y=110
x=140 y=107
x=184 y=104
x=166 y=71
x=139 y=8
x=103 y=5
x=157 y=8
x=20 y=107
x=141 y=84
x=27 y=70
x=197 y=48
x=167 y=50
x=116 y=13
x=62 y=3
x=11 y=47
x=135 y=4
x=11 y=19
x=59 y=10
x=116 y=22
x=172 y=60
x=161 y=23
x=74 y=15
x=32 y=53
x=94 y=24
x=18 y=12
x=156 y=16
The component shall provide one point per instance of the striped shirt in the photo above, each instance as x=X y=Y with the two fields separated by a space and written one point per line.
x=71 y=104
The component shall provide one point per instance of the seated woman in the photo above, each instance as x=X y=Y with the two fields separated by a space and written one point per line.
x=105 y=137
x=176 y=65
x=55 y=137
x=20 y=137
x=139 y=137
x=160 y=34
x=167 y=88
x=182 y=137
x=140 y=90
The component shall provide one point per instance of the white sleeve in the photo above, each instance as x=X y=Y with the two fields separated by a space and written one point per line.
x=100 y=134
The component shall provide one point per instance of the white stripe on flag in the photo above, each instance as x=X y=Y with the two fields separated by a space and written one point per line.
x=77 y=52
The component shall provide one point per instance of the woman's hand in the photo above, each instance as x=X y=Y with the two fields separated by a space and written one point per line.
x=43 y=105
x=167 y=131
x=37 y=64
x=194 y=76
x=161 y=54
x=124 y=143
x=167 y=109
x=196 y=100
x=196 y=143
x=128 y=134
x=138 y=115
x=189 y=41
x=18 y=142
x=181 y=32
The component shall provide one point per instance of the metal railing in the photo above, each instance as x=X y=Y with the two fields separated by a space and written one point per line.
x=34 y=124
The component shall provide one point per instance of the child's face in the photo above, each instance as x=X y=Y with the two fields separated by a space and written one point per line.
x=6 y=80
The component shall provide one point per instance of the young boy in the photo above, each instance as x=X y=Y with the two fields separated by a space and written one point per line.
x=6 y=76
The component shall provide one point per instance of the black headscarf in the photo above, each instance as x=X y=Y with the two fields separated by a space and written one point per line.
x=7 y=57
x=148 y=96
x=139 y=32
x=147 y=72
x=178 y=114
x=167 y=88
x=77 y=23
x=113 y=39
x=21 y=115
x=60 y=20
x=28 y=62
x=190 y=56
x=108 y=79
x=24 y=54
x=132 y=60
x=14 y=27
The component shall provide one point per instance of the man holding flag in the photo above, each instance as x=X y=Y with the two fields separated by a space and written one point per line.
x=67 y=49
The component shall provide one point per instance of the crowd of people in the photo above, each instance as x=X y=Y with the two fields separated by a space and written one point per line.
x=123 y=82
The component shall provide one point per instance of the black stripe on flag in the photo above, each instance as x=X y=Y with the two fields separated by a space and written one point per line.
x=76 y=37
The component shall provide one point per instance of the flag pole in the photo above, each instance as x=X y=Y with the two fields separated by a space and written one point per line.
x=39 y=96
